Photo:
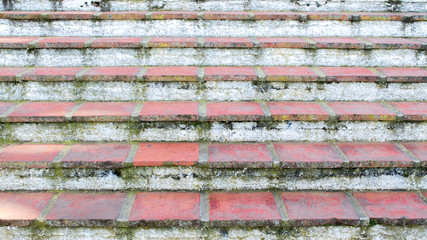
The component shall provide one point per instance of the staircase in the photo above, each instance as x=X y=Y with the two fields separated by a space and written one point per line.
x=180 y=119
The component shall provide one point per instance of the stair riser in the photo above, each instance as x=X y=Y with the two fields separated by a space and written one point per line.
x=326 y=232
x=213 y=28
x=204 y=179
x=212 y=57
x=211 y=91
x=216 y=132
x=218 y=5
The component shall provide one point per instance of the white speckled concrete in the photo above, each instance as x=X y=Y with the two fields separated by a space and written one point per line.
x=213 y=28
x=211 y=91
x=238 y=132
x=198 y=179
x=219 y=5
x=212 y=57
x=297 y=233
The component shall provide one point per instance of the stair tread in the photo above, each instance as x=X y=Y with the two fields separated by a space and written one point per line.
x=212 y=15
x=215 y=111
x=213 y=42
x=216 y=155
x=217 y=209
x=183 y=73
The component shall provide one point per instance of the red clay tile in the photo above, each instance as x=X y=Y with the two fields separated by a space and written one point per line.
x=328 y=16
x=413 y=111
x=299 y=155
x=83 y=155
x=393 y=207
x=230 y=73
x=319 y=208
x=117 y=42
x=166 y=206
x=173 y=42
x=18 y=209
x=41 y=112
x=29 y=155
x=225 y=15
x=52 y=74
x=259 y=206
x=381 y=16
x=174 y=15
x=229 y=42
x=16 y=42
x=77 y=208
x=24 y=15
x=234 y=111
x=74 y=15
x=405 y=74
x=135 y=15
x=63 y=42
x=349 y=74
x=394 y=43
x=280 y=42
x=338 y=42
x=297 y=111
x=375 y=155
x=30 y=152
x=104 y=111
x=170 y=111
x=289 y=74
x=8 y=74
x=276 y=15
x=239 y=156
x=419 y=149
x=171 y=74
x=362 y=111
x=4 y=106
x=157 y=154
x=111 y=74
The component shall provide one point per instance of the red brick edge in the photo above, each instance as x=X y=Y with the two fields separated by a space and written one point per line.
x=209 y=15
x=287 y=74
x=217 y=209
x=214 y=155
x=211 y=111
x=212 y=42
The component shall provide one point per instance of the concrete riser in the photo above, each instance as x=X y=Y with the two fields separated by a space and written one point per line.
x=205 y=179
x=211 y=91
x=215 y=132
x=212 y=28
x=213 y=57
x=215 y=5
x=323 y=232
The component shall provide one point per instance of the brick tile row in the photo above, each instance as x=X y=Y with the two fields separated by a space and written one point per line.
x=215 y=155
x=219 y=209
x=305 y=74
x=213 y=42
x=209 y=15
x=215 y=111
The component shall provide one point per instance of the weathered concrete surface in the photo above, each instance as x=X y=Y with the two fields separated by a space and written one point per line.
x=213 y=57
x=215 y=132
x=211 y=91
x=204 y=179
x=326 y=232
x=212 y=28
x=216 y=5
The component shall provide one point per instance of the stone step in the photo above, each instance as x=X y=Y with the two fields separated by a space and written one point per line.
x=213 y=121
x=216 y=5
x=215 y=210
x=153 y=166
x=213 y=24
x=212 y=84
x=86 y=51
